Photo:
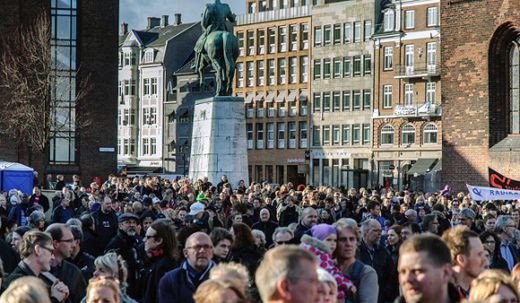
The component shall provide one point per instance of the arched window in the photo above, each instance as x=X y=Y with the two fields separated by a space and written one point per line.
x=387 y=135
x=408 y=134
x=504 y=82
x=430 y=134
x=513 y=88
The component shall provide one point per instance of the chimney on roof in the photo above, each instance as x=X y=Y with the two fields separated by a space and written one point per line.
x=164 y=20
x=153 y=22
x=124 y=28
x=177 y=19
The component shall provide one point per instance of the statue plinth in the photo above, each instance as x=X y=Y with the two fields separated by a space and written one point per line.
x=219 y=143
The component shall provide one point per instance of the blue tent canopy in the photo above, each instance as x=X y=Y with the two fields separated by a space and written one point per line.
x=16 y=176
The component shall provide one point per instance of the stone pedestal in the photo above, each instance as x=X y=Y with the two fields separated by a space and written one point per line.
x=219 y=144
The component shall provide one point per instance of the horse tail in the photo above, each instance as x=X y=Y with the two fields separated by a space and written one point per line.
x=227 y=42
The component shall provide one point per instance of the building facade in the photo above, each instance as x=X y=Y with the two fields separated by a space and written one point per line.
x=83 y=45
x=341 y=87
x=147 y=60
x=273 y=77
x=407 y=95
x=480 y=55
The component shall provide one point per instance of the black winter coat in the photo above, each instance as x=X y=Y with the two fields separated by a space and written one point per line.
x=71 y=275
x=249 y=256
x=128 y=248
x=268 y=229
x=153 y=273
x=106 y=227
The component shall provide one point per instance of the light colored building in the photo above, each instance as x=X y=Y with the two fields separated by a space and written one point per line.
x=341 y=117
x=147 y=60
x=407 y=95
x=273 y=77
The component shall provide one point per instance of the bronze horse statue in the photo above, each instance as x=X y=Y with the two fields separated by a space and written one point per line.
x=221 y=51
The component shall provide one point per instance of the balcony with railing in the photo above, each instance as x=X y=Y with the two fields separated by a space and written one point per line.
x=417 y=71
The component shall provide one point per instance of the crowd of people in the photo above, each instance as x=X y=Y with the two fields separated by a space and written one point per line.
x=159 y=240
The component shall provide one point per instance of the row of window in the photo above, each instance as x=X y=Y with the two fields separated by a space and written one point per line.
x=408 y=94
x=408 y=134
x=264 y=5
x=128 y=87
x=353 y=134
x=127 y=117
x=127 y=147
x=348 y=100
x=277 y=39
x=271 y=111
x=130 y=57
x=345 y=67
x=342 y=33
x=277 y=135
x=409 y=18
x=409 y=57
x=278 y=71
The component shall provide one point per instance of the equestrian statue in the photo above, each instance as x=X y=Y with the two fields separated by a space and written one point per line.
x=217 y=46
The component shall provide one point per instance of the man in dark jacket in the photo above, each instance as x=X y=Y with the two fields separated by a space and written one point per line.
x=430 y=256
x=89 y=244
x=70 y=274
x=106 y=222
x=266 y=225
x=180 y=284
x=309 y=218
x=36 y=253
x=81 y=259
x=372 y=253
x=38 y=198
x=126 y=244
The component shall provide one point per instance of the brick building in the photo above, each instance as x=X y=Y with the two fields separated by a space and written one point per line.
x=407 y=91
x=273 y=77
x=480 y=55
x=84 y=36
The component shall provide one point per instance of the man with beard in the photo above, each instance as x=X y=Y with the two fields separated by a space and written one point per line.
x=180 y=284
x=106 y=222
x=37 y=255
x=127 y=244
x=70 y=274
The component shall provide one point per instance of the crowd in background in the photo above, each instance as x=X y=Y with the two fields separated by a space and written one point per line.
x=158 y=240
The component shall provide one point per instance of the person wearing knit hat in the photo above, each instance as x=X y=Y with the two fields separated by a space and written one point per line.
x=321 y=241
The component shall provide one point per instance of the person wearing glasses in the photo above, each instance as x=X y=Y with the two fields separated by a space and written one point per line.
x=179 y=285
x=37 y=253
x=505 y=228
x=282 y=236
x=70 y=274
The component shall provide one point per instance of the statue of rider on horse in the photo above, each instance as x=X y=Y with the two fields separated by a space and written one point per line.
x=217 y=46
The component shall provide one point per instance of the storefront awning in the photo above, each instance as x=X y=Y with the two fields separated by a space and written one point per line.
x=438 y=166
x=249 y=97
x=270 y=97
x=422 y=166
x=303 y=95
x=259 y=96
x=281 y=96
x=292 y=96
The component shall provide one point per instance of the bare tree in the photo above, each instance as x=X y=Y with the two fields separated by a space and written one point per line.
x=30 y=113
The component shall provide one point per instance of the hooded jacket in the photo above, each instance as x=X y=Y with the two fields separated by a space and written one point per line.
x=324 y=255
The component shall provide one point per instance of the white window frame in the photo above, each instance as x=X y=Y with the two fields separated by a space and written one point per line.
x=408 y=94
x=430 y=92
x=428 y=130
x=388 y=57
x=431 y=13
x=431 y=57
x=357 y=31
x=405 y=132
x=387 y=96
x=409 y=19
x=347 y=32
x=387 y=130
x=389 y=20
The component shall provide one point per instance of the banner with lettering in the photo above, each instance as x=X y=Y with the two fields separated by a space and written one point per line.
x=498 y=180
x=481 y=193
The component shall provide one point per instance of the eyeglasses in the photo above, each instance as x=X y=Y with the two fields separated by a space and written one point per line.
x=199 y=247
x=51 y=250
x=68 y=240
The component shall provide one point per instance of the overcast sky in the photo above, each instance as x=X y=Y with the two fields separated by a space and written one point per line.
x=135 y=12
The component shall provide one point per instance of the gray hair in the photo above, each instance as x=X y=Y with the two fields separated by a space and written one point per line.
x=501 y=222
x=409 y=213
x=282 y=230
x=260 y=234
x=365 y=225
